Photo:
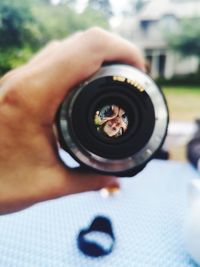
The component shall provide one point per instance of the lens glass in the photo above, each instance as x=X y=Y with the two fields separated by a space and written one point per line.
x=111 y=121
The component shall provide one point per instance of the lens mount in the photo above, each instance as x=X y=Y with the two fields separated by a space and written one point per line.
x=115 y=121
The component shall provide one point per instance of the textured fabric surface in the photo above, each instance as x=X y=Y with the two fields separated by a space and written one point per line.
x=147 y=217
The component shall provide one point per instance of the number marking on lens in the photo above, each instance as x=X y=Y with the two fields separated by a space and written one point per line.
x=129 y=81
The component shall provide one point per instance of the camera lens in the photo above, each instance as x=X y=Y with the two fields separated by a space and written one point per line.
x=114 y=122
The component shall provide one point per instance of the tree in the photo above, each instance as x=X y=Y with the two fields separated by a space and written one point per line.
x=69 y=3
x=25 y=26
x=57 y=22
x=15 y=18
x=91 y=17
x=139 y=4
x=186 y=39
x=13 y=23
x=102 y=6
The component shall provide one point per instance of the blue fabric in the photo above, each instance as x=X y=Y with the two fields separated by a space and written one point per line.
x=147 y=217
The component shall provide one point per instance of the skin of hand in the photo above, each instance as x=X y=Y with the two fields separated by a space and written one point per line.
x=30 y=169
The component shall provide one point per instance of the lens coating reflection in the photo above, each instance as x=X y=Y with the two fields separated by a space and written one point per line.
x=111 y=121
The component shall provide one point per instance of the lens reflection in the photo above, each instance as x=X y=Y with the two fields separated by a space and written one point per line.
x=111 y=120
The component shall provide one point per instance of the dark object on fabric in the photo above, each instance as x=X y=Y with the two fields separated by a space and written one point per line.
x=92 y=248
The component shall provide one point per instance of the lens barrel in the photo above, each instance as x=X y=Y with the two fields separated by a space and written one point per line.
x=115 y=122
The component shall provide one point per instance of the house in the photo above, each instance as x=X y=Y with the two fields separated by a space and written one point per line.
x=149 y=29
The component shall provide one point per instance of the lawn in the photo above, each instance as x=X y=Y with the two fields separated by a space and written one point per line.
x=184 y=105
x=183 y=102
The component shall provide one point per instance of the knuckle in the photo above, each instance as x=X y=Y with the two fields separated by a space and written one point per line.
x=95 y=31
x=12 y=93
x=96 y=36
x=7 y=76
x=95 y=40
x=77 y=34
x=54 y=44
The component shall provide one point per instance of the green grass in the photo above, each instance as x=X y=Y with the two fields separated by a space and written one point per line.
x=182 y=89
x=183 y=102
x=184 y=105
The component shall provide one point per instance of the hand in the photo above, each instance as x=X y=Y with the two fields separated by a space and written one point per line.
x=30 y=170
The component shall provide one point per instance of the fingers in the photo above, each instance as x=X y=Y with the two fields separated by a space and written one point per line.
x=83 y=182
x=47 y=51
x=119 y=49
x=76 y=58
x=64 y=64
x=71 y=184
x=63 y=181
x=36 y=59
x=81 y=56
x=114 y=47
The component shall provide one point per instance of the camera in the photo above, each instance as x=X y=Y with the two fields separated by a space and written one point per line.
x=114 y=122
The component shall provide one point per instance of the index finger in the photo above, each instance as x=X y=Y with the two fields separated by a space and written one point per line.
x=72 y=61
x=122 y=50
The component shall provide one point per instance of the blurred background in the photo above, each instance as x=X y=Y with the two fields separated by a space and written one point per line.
x=168 y=31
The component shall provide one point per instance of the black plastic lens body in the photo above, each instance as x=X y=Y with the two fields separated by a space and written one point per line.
x=115 y=122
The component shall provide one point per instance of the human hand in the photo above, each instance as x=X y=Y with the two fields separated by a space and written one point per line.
x=30 y=169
